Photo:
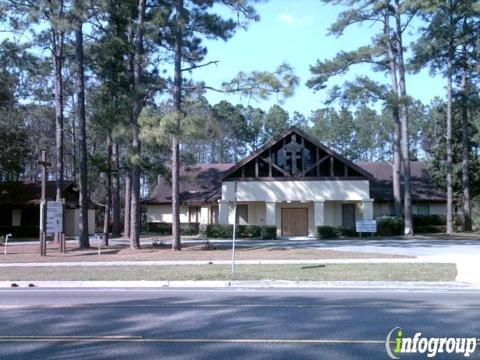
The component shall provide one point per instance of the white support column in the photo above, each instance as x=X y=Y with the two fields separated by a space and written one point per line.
x=223 y=212
x=319 y=213
x=367 y=209
x=271 y=213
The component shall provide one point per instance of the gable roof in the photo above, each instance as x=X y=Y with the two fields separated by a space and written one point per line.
x=202 y=184
x=199 y=184
x=29 y=192
x=423 y=187
x=311 y=139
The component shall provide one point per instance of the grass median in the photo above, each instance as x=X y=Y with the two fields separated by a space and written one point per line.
x=312 y=272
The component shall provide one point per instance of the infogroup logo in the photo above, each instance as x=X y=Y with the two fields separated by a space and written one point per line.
x=397 y=343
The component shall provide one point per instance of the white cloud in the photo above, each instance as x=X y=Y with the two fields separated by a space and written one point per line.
x=287 y=19
x=292 y=21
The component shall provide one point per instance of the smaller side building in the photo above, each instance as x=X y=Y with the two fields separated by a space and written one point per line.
x=427 y=199
x=20 y=208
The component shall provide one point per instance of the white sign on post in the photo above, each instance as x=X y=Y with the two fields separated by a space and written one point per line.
x=366 y=226
x=54 y=217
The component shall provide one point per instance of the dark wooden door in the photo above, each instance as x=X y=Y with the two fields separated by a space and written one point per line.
x=294 y=222
x=348 y=216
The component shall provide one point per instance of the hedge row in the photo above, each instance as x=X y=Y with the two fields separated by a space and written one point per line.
x=389 y=226
x=166 y=228
x=332 y=232
x=218 y=231
x=429 y=220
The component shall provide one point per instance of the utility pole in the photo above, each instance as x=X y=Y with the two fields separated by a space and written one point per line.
x=43 y=204
x=234 y=225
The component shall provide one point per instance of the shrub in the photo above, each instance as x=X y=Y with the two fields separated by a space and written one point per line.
x=249 y=231
x=343 y=231
x=217 y=231
x=434 y=229
x=389 y=225
x=166 y=228
x=269 y=232
x=189 y=228
x=327 y=232
x=427 y=220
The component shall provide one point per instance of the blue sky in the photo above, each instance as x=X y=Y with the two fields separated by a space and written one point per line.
x=296 y=32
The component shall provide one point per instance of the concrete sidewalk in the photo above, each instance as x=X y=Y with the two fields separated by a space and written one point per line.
x=228 y=262
x=242 y=284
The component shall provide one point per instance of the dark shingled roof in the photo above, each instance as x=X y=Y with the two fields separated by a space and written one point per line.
x=203 y=184
x=381 y=188
x=28 y=193
x=199 y=184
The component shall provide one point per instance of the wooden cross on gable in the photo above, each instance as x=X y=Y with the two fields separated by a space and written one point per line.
x=293 y=146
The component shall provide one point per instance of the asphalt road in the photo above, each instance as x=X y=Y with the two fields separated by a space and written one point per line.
x=226 y=324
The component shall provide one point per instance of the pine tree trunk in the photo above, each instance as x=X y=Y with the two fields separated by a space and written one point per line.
x=108 y=195
x=405 y=139
x=397 y=159
x=127 y=205
x=177 y=100
x=80 y=89
x=136 y=145
x=74 y=145
x=58 y=124
x=467 y=211
x=59 y=120
x=449 y=141
x=116 y=192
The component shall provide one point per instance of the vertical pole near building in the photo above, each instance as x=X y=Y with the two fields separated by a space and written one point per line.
x=63 y=243
x=234 y=224
x=43 y=205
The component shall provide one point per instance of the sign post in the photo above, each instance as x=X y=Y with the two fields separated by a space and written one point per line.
x=366 y=226
x=43 y=204
x=234 y=225
x=54 y=217
x=6 y=243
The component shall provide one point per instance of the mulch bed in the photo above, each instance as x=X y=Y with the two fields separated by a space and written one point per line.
x=117 y=252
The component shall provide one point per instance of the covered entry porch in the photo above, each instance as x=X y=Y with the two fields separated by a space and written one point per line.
x=296 y=218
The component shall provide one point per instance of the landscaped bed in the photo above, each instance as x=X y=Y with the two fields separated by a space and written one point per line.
x=200 y=251
x=318 y=272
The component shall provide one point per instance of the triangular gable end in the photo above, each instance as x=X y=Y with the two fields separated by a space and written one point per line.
x=296 y=155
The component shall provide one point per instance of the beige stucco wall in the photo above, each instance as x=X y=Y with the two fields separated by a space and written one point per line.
x=72 y=222
x=256 y=212
x=204 y=214
x=16 y=217
x=296 y=190
x=333 y=212
x=163 y=213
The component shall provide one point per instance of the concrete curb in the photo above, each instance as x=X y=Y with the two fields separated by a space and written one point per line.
x=226 y=284
x=239 y=262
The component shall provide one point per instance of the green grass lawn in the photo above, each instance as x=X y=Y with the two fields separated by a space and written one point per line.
x=334 y=272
